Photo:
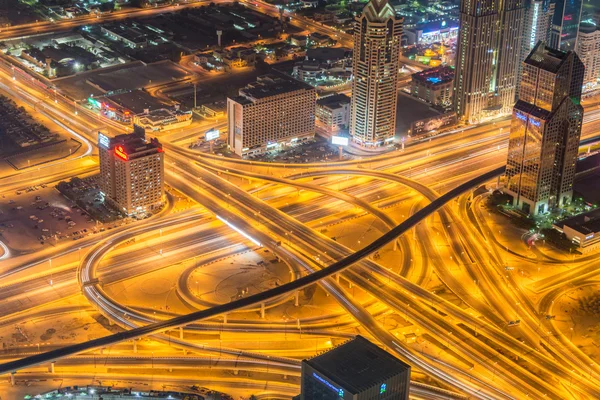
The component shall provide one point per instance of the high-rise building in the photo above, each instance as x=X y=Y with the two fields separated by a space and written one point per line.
x=273 y=111
x=545 y=131
x=376 y=56
x=487 y=58
x=355 y=370
x=565 y=24
x=537 y=27
x=588 y=49
x=132 y=172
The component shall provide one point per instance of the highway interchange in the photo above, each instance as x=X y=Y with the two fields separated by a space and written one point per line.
x=423 y=217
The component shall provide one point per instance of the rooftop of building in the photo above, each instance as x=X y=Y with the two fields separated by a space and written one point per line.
x=588 y=27
x=436 y=26
x=161 y=114
x=357 y=365
x=334 y=101
x=328 y=53
x=435 y=76
x=546 y=58
x=379 y=10
x=139 y=147
x=137 y=101
x=531 y=110
x=271 y=85
x=586 y=223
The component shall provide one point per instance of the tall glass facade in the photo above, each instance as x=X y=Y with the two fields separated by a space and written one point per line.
x=567 y=17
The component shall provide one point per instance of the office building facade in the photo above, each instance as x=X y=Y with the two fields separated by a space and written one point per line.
x=565 y=24
x=132 y=172
x=588 y=50
x=545 y=131
x=333 y=112
x=355 y=370
x=487 y=58
x=274 y=111
x=377 y=42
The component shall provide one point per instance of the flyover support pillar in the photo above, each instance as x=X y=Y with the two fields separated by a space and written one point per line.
x=135 y=346
x=297 y=298
x=12 y=379
x=224 y=318
x=52 y=367
x=262 y=310
x=337 y=278
x=181 y=332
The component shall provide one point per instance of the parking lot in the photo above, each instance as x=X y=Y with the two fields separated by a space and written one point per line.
x=40 y=216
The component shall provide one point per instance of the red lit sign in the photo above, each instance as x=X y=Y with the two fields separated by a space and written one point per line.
x=120 y=152
x=568 y=18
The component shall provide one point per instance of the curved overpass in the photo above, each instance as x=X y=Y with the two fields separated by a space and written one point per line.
x=300 y=283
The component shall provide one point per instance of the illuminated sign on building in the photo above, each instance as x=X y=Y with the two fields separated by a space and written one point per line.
x=531 y=120
x=103 y=140
x=329 y=385
x=382 y=388
x=120 y=152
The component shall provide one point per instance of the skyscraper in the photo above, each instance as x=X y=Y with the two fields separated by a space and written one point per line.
x=588 y=49
x=537 y=26
x=377 y=40
x=565 y=24
x=545 y=131
x=132 y=172
x=487 y=58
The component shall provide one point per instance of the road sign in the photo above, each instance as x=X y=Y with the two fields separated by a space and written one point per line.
x=212 y=134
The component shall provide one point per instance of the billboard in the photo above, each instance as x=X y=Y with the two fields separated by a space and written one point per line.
x=212 y=134
x=121 y=153
x=339 y=140
x=430 y=124
x=103 y=140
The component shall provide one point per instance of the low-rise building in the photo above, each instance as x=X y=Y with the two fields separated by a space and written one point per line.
x=434 y=86
x=236 y=57
x=274 y=111
x=298 y=40
x=322 y=64
x=140 y=108
x=333 y=112
x=129 y=35
x=583 y=230
x=320 y=39
x=163 y=119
